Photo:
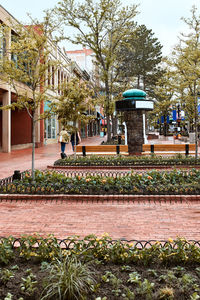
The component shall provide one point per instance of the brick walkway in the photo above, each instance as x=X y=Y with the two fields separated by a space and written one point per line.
x=120 y=220
x=21 y=159
x=130 y=221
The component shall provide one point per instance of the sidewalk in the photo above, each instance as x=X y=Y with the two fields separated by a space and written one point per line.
x=46 y=155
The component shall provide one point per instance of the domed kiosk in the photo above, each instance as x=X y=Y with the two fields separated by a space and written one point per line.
x=134 y=105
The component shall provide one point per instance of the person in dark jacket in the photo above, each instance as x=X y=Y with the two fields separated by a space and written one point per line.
x=75 y=139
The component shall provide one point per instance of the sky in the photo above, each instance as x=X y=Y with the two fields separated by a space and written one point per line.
x=162 y=16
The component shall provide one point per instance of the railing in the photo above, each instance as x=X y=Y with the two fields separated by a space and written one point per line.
x=70 y=243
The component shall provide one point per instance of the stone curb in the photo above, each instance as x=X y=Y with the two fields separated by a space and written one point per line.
x=121 y=167
x=117 y=199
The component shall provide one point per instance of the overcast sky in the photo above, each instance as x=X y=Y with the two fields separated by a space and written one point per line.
x=162 y=16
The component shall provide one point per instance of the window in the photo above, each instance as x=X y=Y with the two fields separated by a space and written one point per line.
x=2 y=43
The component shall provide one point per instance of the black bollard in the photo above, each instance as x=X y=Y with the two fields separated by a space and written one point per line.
x=16 y=175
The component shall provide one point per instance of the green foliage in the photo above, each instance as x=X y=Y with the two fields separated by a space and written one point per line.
x=6 y=275
x=68 y=279
x=25 y=66
x=6 y=250
x=90 y=267
x=39 y=248
x=184 y=65
x=102 y=26
x=94 y=160
x=140 y=57
x=73 y=104
x=133 y=183
x=29 y=283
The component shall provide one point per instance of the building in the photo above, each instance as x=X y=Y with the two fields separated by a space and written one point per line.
x=85 y=58
x=16 y=125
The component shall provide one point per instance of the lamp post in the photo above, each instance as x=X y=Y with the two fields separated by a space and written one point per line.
x=134 y=105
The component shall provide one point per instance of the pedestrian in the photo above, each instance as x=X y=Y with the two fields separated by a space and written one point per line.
x=75 y=139
x=63 y=139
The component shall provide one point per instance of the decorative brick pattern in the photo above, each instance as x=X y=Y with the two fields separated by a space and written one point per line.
x=147 y=217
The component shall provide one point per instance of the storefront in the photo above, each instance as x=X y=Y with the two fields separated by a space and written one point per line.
x=51 y=127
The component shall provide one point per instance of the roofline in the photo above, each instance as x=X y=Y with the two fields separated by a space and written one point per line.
x=10 y=14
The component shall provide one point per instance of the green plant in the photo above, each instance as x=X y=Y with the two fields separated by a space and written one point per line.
x=6 y=275
x=126 y=268
x=8 y=297
x=68 y=279
x=29 y=283
x=194 y=296
x=129 y=294
x=146 y=288
x=168 y=278
x=6 y=250
x=134 y=277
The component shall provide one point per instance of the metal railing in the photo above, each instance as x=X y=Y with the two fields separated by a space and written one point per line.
x=70 y=243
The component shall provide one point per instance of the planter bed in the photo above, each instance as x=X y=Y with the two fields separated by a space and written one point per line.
x=143 y=167
x=127 y=162
x=98 y=268
x=152 y=182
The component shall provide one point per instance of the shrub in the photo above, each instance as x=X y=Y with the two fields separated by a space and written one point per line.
x=94 y=160
x=68 y=279
x=133 y=183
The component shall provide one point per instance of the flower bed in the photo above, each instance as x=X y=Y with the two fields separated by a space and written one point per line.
x=176 y=182
x=128 y=161
x=98 y=268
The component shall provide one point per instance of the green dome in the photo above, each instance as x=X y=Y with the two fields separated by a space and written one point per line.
x=134 y=94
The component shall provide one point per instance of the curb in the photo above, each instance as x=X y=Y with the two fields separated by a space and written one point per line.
x=117 y=199
x=123 y=167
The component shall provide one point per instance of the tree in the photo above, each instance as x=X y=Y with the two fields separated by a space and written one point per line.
x=72 y=106
x=140 y=58
x=164 y=93
x=25 y=67
x=101 y=26
x=185 y=62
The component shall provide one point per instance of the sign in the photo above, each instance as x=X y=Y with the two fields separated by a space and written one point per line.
x=174 y=115
x=144 y=104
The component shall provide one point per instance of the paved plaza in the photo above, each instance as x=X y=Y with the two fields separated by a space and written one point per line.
x=124 y=220
x=120 y=219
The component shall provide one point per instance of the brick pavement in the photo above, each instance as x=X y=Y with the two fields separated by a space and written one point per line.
x=121 y=220
x=21 y=159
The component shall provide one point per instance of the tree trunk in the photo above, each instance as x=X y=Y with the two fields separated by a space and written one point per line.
x=196 y=127
x=33 y=147
x=135 y=134
x=114 y=125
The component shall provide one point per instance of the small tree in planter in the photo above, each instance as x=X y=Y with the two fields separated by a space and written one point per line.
x=72 y=106
x=25 y=66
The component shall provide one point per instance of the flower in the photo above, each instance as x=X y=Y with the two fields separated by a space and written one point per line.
x=170 y=240
x=103 y=181
x=87 y=179
x=149 y=177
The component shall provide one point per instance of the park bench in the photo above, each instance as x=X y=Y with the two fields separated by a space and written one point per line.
x=147 y=148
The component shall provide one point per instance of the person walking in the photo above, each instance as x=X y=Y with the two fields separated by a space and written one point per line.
x=63 y=139
x=75 y=139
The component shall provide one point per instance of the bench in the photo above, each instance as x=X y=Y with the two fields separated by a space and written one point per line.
x=123 y=149
x=102 y=149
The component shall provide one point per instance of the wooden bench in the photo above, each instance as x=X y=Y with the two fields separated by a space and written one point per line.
x=120 y=149
x=102 y=149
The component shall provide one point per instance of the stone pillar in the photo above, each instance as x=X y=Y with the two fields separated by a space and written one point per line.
x=135 y=135
x=6 y=123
